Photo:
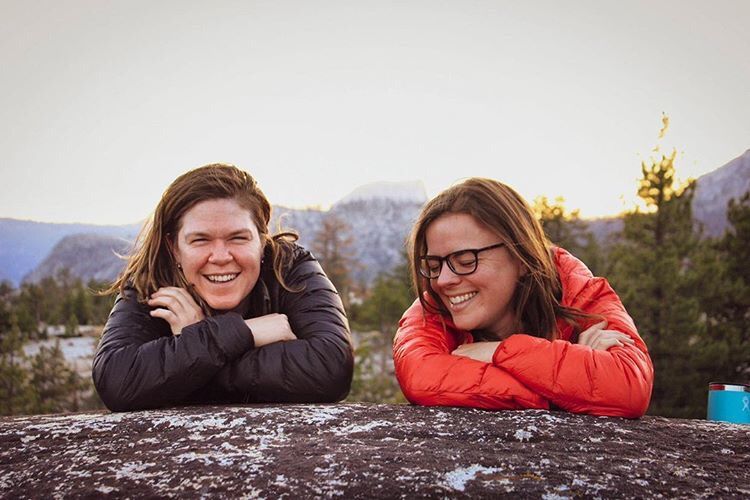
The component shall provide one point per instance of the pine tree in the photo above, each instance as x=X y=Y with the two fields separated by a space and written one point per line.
x=566 y=229
x=377 y=319
x=15 y=395
x=725 y=295
x=654 y=272
x=101 y=304
x=51 y=380
x=333 y=248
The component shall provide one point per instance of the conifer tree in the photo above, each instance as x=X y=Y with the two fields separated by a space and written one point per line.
x=566 y=229
x=376 y=320
x=725 y=296
x=51 y=380
x=71 y=327
x=653 y=271
x=15 y=395
x=333 y=248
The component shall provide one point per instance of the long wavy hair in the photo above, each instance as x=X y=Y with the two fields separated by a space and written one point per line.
x=536 y=300
x=152 y=265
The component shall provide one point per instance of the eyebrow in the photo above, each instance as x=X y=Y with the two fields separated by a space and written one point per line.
x=238 y=232
x=451 y=253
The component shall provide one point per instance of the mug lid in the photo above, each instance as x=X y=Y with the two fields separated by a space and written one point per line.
x=726 y=386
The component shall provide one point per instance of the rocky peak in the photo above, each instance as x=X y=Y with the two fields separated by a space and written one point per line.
x=409 y=192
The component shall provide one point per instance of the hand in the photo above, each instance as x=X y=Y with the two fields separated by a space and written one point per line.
x=597 y=338
x=480 y=351
x=270 y=328
x=176 y=306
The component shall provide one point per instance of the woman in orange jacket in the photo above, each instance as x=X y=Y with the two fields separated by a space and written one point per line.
x=505 y=320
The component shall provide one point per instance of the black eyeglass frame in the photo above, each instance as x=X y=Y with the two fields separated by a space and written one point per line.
x=448 y=258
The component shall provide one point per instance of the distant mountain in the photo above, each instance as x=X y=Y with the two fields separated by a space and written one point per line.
x=406 y=192
x=379 y=228
x=712 y=194
x=714 y=190
x=86 y=256
x=24 y=244
x=379 y=216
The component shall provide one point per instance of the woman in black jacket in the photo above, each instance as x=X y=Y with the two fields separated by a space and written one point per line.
x=211 y=308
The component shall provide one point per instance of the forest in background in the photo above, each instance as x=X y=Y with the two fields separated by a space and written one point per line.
x=689 y=296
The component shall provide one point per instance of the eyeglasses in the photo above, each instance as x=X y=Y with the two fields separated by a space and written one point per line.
x=461 y=263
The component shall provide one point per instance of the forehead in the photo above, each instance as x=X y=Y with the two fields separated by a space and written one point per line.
x=216 y=216
x=452 y=232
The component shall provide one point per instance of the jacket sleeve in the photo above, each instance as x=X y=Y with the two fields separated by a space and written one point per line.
x=139 y=364
x=430 y=375
x=318 y=366
x=615 y=382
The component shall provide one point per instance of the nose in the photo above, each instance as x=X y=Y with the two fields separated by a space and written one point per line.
x=220 y=253
x=446 y=277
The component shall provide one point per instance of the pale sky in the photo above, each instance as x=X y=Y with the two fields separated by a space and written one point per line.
x=103 y=104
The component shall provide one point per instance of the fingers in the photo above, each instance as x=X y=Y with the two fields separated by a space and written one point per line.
x=479 y=351
x=173 y=298
x=169 y=317
x=270 y=328
x=599 y=339
x=176 y=306
x=593 y=328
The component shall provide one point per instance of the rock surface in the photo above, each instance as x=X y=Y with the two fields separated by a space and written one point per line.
x=365 y=451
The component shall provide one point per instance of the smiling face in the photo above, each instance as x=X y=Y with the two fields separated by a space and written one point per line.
x=219 y=249
x=481 y=300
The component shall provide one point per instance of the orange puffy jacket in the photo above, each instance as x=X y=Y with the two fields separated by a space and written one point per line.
x=527 y=371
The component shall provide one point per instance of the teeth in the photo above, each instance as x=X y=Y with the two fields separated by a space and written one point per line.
x=221 y=278
x=461 y=298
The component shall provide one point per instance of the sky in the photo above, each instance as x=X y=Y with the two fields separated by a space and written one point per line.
x=104 y=103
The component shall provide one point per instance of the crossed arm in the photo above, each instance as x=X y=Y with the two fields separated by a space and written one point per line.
x=608 y=372
x=302 y=355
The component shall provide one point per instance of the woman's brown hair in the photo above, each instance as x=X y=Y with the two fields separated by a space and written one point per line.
x=536 y=300
x=152 y=265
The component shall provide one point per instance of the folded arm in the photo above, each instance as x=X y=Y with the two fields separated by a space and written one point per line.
x=317 y=366
x=430 y=375
x=139 y=364
x=577 y=378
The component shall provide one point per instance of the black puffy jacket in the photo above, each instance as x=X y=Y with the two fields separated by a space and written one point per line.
x=139 y=364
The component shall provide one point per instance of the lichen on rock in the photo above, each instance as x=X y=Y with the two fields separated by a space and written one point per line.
x=366 y=451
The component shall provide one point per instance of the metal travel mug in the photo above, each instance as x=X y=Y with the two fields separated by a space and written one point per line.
x=729 y=402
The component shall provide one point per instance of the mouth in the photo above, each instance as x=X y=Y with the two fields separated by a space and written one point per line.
x=221 y=278
x=458 y=300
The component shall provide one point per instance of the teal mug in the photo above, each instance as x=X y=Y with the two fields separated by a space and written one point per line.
x=729 y=402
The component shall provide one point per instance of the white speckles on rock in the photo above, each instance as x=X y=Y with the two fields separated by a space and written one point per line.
x=358 y=450
x=354 y=428
x=526 y=434
x=138 y=471
x=458 y=478
x=323 y=414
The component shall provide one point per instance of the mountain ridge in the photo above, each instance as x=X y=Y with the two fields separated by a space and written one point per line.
x=378 y=225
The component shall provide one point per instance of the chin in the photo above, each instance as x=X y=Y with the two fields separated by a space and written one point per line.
x=222 y=304
x=465 y=323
